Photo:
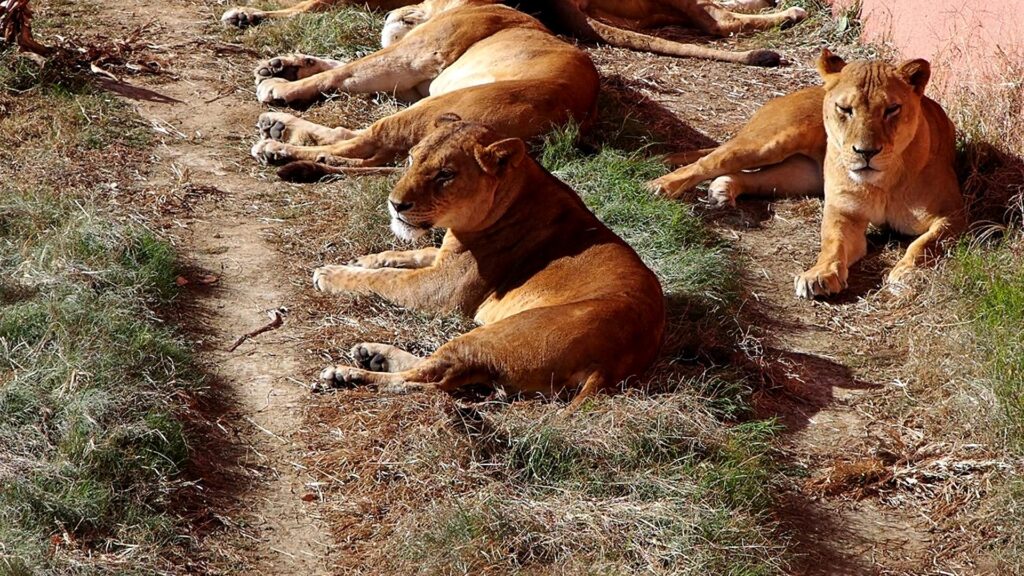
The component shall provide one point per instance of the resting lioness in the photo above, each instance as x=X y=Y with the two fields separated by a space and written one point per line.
x=614 y=22
x=564 y=303
x=882 y=151
x=488 y=64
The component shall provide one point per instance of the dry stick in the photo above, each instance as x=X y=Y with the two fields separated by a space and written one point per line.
x=276 y=320
x=16 y=27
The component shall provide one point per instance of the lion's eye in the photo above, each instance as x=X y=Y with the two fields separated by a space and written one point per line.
x=444 y=176
x=893 y=110
x=844 y=109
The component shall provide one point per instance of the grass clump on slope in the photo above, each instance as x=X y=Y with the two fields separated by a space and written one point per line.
x=91 y=382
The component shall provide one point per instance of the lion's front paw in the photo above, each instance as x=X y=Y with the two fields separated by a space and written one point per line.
x=663 y=186
x=243 y=17
x=723 y=191
x=272 y=91
x=329 y=278
x=900 y=279
x=821 y=280
x=272 y=152
x=292 y=67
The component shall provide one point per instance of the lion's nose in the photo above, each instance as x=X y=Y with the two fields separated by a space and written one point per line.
x=400 y=206
x=867 y=153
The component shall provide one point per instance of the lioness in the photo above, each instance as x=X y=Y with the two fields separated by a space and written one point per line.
x=564 y=303
x=880 y=148
x=613 y=22
x=488 y=64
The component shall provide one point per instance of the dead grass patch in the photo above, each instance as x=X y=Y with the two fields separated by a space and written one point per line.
x=93 y=385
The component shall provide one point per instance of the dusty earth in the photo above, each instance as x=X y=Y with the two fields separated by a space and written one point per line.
x=837 y=358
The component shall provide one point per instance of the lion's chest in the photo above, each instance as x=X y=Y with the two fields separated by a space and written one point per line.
x=891 y=207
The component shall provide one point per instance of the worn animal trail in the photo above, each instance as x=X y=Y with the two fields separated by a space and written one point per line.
x=227 y=235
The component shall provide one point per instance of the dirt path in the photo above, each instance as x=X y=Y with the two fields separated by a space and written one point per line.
x=826 y=398
x=226 y=234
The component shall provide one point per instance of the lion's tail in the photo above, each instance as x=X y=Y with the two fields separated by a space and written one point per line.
x=307 y=171
x=594 y=30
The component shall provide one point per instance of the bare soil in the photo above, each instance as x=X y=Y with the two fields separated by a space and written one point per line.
x=835 y=361
x=272 y=524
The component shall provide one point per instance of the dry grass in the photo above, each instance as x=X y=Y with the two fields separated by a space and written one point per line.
x=92 y=383
x=966 y=361
x=636 y=483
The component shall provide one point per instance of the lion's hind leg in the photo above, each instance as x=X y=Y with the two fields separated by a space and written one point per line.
x=720 y=21
x=293 y=67
x=770 y=138
x=747 y=6
x=244 y=16
x=383 y=358
x=797 y=175
x=734 y=156
x=436 y=372
x=420 y=258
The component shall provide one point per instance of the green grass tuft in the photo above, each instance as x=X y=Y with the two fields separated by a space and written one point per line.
x=344 y=33
x=91 y=381
x=91 y=444
x=634 y=485
x=670 y=239
x=991 y=283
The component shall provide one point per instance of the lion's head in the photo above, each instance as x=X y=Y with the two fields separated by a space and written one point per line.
x=399 y=22
x=452 y=179
x=871 y=112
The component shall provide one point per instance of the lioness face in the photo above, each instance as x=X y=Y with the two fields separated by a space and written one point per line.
x=452 y=179
x=871 y=112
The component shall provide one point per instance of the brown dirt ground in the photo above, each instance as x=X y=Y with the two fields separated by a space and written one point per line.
x=837 y=361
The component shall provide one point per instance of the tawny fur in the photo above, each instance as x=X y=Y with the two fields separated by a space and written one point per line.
x=565 y=305
x=488 y=64
x=244 y=16
x=615 y=22
x=881 y=150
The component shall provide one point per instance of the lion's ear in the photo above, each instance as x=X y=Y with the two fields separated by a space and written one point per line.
x=829 y=63
x=446 y=118
x=916 y=72
x=501 y=155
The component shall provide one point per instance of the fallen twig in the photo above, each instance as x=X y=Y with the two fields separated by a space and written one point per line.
x=276 y=320
x=16 y=27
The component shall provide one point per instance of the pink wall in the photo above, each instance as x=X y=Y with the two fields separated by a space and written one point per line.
x=966 y=40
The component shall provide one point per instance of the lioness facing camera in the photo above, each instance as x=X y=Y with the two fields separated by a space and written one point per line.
x=564 y=303
x=881 y=149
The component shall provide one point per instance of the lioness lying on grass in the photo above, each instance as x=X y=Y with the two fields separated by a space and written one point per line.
x=565 y=305
x=488 y=64
x=880 y=148
x=613 y=22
